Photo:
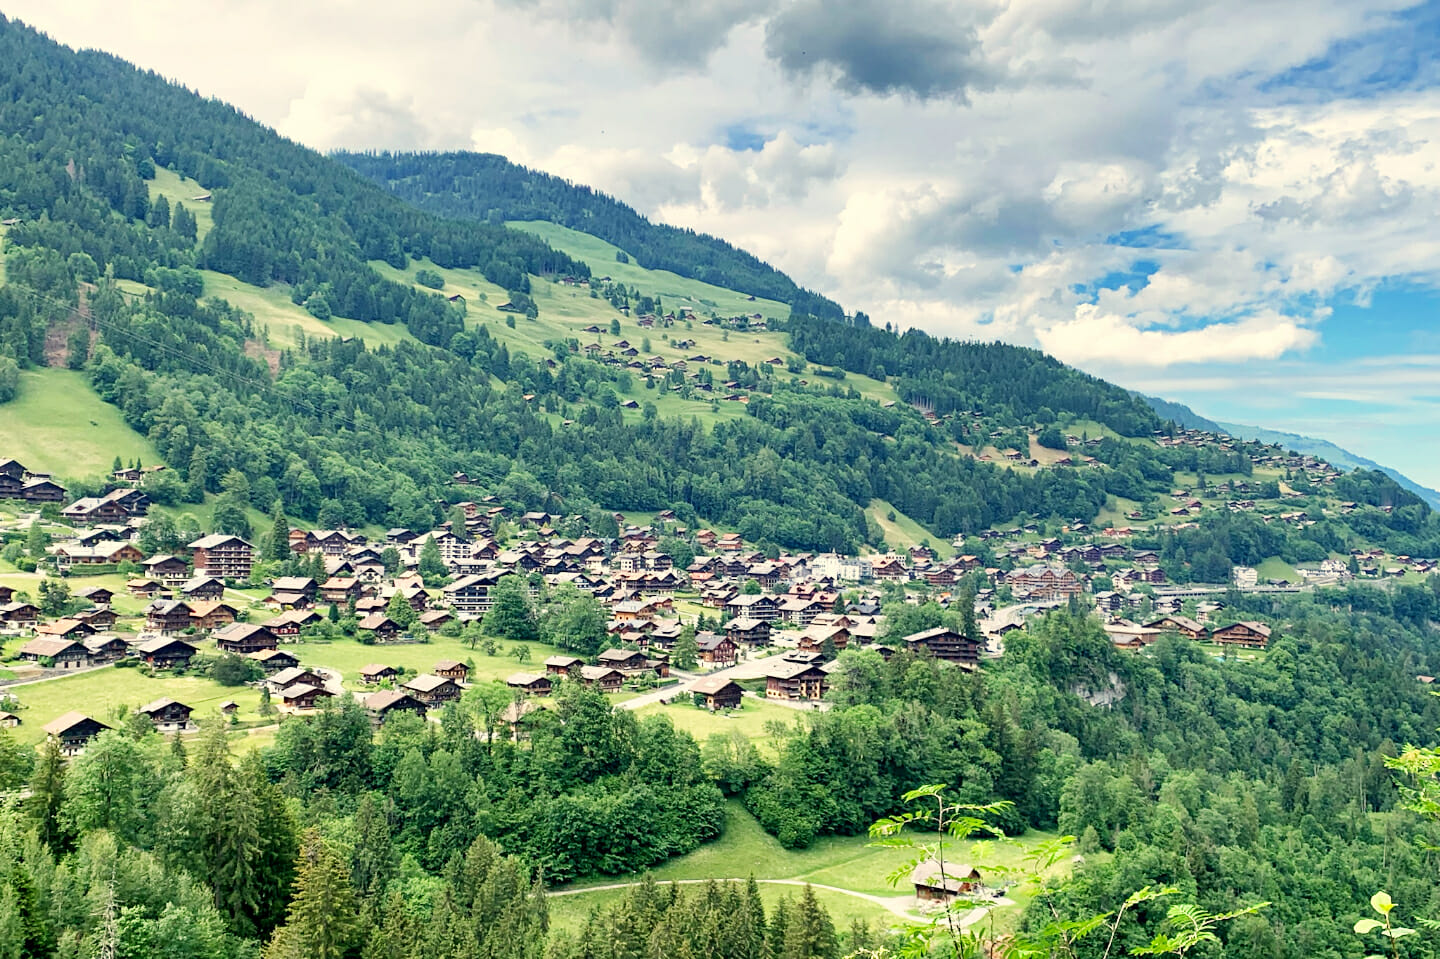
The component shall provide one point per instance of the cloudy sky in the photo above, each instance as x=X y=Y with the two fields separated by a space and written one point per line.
x=1233 y=203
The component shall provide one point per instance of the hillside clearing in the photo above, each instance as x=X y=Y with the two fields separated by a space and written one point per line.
x=59 y=425
x=178 y=189
x=903 y=532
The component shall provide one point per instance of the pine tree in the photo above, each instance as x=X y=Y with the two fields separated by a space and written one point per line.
x=810 y=933
x=400 y=610
x=47 y=793
x=279 y=545
x=323 y=921
x=510 y=616
x=432 y=564
x=373 y=861
x=686 y=655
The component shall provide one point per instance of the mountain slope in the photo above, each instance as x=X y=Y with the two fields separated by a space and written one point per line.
x=489 y=188
x=1184 y=416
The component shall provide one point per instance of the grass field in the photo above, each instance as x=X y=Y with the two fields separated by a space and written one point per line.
x=99 y=692
x=903 y=532
x=675 y=291
x=348 y=655
x=1276 y=568
x=58 y=425
x=177 y=189
x=845 y=862
x=752 y=720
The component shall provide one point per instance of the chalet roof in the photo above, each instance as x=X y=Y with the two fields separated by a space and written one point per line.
x=266 y=655
x=788 y=669
x=619 y=656
x=300 y=690
x=563 y=662
x=448 y=664
x=159 y=704
x=428 y=683
x=711 y=685
x=196 y=582
x=289 y=675
x=598 y=672
x=375 y=669
x=929 y=634
x=525 y=679
x=67 y=722
x=389 y=699
x=162 y=643
x=49 y=647
x=931 y=875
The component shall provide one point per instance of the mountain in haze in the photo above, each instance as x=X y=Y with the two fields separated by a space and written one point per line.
x=1184 y=416
x=491 y=189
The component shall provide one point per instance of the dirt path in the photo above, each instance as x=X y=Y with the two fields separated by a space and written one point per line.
x=899 y=906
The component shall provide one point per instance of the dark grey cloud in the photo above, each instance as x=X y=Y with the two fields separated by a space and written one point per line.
x=917 y=48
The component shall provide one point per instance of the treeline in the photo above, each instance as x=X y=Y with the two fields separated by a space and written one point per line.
x=418 y=840
x=491 y=189
x=1233 y=782
x=81 y=133
x=1007 y=383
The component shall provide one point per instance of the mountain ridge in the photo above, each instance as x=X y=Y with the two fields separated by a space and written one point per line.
x=1332 y=453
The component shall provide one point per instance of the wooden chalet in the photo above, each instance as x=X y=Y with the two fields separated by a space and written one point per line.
x=73 y=731
x=146 y=588
x=65 y=628
x=98 y=618
x=98 y=595
x=19 y=615
x=381 y=626
x=290 y=592
x=750 y=632
x=628 y=661
x=294 y=676
x=212 y=615
x=785 y=679
x=303 y=696
x=604 y=678
x=1180 y=624
x=166 y=652
x=719 y=692
x=244 y=638
x=936 y=884
x=170 y=570
x=433 y=690
x=202 y=589
x=341 y=590
x=947 y=644
x=532 y=684
x=167 y=714
x=563 y=665
x=377 y=673
x=55 y=652
x=274 y=660
x=167 y=616
x=716 y=650
x=9 y=720
x=453 y=670
x=392 y=702
x=106 y=649
x=1251 y=635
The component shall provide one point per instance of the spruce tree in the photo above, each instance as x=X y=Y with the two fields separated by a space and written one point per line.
x=323 y=921
x=279 y=535
x=810 y=933
x=47 y=793
x=432 y=564
x=686 y=654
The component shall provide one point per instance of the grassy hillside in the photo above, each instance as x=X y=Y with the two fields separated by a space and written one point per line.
x=675 y=290
x=58 y=425
x=176 y=188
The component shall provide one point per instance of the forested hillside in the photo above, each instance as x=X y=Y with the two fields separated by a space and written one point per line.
x=342 y=433
x=489 y=188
